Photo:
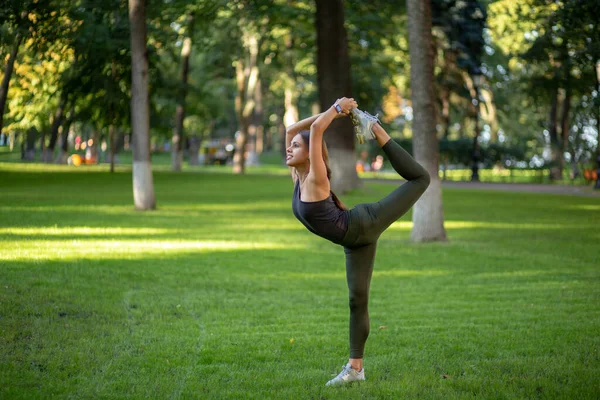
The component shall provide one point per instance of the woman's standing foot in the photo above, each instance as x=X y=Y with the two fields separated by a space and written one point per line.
x=347 y=375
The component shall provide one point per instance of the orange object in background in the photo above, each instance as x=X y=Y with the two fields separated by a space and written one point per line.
x=75 y=160
x=590 y=175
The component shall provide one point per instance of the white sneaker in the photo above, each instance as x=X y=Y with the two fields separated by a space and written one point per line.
x=363 y=122
x=347 y=375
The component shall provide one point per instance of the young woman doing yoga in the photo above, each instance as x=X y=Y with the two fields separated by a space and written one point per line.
x=357 y=229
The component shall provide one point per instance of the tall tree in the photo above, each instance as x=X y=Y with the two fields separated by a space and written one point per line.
x=462 y=23
x=290 y=77
x=8 y=69
x=428 y=215
x=22 y=21
x=597 y=110
x=62 y=156
x=247 y=77
x=334 y=80
x=57 y=122
x=559 y=66
x=143 y=186
x=178 y=136
x=290 y=97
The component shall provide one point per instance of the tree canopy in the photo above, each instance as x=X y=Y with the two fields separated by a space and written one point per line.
x=536 y=58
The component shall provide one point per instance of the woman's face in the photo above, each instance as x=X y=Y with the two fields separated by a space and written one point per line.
x=297 y=153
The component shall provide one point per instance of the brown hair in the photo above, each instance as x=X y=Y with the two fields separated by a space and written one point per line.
x=306 y=137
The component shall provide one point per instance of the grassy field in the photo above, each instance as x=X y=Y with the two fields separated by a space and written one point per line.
x=221 y=294
x=272 y=163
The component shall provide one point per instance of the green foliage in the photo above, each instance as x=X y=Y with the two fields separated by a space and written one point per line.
x=462 y=22
x=99 y=81
x=526 y=50
x=377 y=47
x=208 y=94
x=460 y=152
x=40 y=27
x=42 y=20
x=36 y=87
x=539 y=51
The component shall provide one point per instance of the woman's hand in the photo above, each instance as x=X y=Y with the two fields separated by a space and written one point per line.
x=346 y=104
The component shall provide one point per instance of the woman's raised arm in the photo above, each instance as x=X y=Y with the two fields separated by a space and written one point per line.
x=318 y=170
x=304 y=125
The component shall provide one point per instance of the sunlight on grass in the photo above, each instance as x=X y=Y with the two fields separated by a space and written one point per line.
x=585 y=207
x=512 y=274
x=406 y=225
x=280 y=170
x=263 y=205
x=129 y=249
x=405 y=273
x=401 y=225
x=42 y=167
x=410 y=273
x=178 y=209
x=222 y=284
x=84 y=230
x=72 y=232
x=499 y=225
x=270 y=224
x=55 y=208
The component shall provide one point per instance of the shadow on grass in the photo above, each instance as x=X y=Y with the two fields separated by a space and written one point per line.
x=221 y=293
x=194 y=322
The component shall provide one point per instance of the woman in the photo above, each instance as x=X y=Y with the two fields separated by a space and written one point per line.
x=358 y=229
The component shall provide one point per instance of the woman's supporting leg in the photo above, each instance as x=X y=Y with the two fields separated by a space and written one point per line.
x=359 y=269
x=397 y=203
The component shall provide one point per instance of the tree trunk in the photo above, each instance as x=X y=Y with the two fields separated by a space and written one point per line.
x=56 y=124
x=246 y=77
x=111 y=147
x=143 y=186
x=193 y=149
x=258 y=118
x=597 y=185
x=43 y=144
x=333 y=76
x=445 y=92
x=428 y=216
x=178 y=134
x=63 y=155
x=564 y=124
x=555 y=170
x=11 y=141
x=445 y=97
x=489 y=113
x=255 y=129
x=8 y=70
x=290 y=115
x=465 y=122
x=30 y=139
x=281 y=136
x=291 y=109
x=290 y=93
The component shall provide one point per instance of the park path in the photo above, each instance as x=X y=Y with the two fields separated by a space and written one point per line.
x=573 y=190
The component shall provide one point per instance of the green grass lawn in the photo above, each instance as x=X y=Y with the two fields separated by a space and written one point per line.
x=221 y=294
x=272 y=163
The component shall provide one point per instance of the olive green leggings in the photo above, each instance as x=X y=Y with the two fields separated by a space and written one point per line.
x=366 y=223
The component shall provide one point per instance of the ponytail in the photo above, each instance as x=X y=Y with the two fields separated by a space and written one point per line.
x=306 y=137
